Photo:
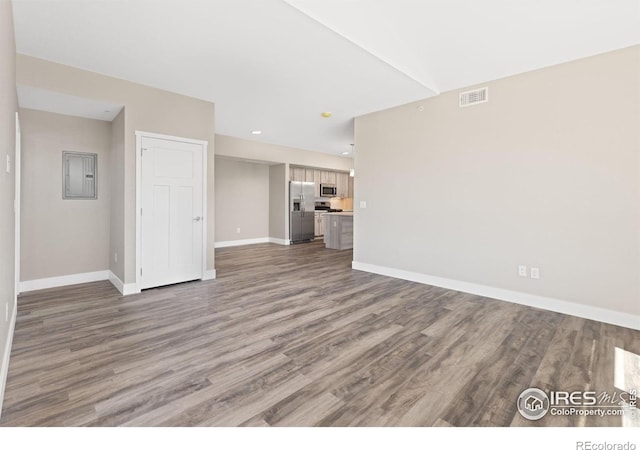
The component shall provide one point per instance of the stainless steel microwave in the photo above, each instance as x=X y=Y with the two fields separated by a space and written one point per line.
x=328 y=190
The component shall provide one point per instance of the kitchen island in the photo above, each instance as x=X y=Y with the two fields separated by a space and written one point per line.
x=338 y=230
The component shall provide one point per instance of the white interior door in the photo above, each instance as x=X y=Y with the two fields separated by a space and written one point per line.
x=172 y=220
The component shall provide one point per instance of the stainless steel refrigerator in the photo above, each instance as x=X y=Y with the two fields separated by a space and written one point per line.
x=301 y=211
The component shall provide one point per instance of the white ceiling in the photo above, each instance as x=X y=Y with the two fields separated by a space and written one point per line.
x=44 y=100
x=451 y=44
x=275 y=65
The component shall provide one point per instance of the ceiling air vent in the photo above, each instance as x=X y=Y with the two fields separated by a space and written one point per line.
x=474 y=97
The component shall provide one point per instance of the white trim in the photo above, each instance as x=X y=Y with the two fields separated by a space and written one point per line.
x=65 y=280
x=124 y=289
x=264 y=240
x=209 y=275
x=205 y=146
x=4 y=369
x=279 y=241
x=137 y=208
x=287 y=200
x=129 y=289
x=117 y=282
x=17 y=288
x=17 y=167
x=223 y=244
x=551 y=304
x=166 y=137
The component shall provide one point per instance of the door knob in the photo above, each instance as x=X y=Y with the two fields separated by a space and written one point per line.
x=197 y=219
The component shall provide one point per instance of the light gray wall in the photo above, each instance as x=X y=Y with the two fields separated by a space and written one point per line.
x=8 y=108
x=116 y=208
x=260 y=151
x=147 y=109
x=278 y=201
x=62 y=237
x=241 y=200
x=546 y=174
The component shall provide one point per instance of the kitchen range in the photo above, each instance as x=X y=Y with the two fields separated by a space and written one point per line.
x=325 y=206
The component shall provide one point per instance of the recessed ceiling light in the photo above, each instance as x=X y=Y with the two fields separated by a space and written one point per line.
x=345 y=153
x=326 y=114
x=256 y=132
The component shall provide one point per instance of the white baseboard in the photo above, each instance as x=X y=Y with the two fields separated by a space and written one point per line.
x=264 y=240
x=117 y=282
x=130 y=288
x=222 y=244
x=124 y=289
x=66 y=280
x=551 y=304
x=4 y=369
x=279 y=241
x=209 y=275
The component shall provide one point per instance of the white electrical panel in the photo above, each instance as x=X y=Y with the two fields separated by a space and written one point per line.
x=79 y=175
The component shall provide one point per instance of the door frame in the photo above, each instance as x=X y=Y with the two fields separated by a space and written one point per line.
x=17 y=166
x=204 y=144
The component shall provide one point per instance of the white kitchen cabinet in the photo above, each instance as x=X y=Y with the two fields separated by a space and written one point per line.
x=313 y=175
x=327 y=177
x=342 y=184
x=342 y=180
x=308 y=175
x=296 y=174
x=319 y=224
x=317 y=179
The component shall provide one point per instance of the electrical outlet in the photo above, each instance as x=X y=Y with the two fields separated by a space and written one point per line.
x=238 y=230
x=8 y=164
x=535 y=273
x=115 y=256
x=363 y=204
x=522 y=271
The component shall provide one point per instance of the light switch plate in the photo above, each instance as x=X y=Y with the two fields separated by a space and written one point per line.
x=363 y=204
x=522 y=271
x=8 y=164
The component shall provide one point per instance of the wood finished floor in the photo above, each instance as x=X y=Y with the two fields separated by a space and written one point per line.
x=291 y=336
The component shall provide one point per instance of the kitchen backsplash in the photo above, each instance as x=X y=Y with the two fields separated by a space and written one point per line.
x=345 y=204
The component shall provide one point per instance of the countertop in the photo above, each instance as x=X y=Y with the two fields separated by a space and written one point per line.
x=343 y=213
